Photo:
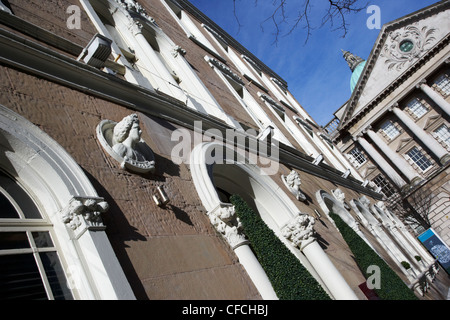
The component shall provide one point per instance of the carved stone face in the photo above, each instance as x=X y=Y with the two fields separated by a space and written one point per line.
x=135 y=132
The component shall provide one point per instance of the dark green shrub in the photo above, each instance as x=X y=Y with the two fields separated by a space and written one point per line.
x=391 y=286
x=405 y=265
x=290 y=280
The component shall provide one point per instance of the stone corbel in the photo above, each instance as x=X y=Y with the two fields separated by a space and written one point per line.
x=224 y=219
x=299 y=230
x=84 y=213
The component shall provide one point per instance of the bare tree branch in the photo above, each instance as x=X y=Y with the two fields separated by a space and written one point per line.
x=335 y=15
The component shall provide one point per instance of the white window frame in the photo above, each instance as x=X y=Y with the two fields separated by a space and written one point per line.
x=417 y=108
x=443 y=137
x=418 y=159
x=166 y=69
x=390 y=130
x=443 y=84
x=381 y=182
x=357 y=157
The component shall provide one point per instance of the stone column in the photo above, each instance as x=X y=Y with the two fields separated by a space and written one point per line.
x=380 y=161
x=435 y=96
x=224 y=219
x=400 y=163
x=105 y=278
x=427 y=139
x=299 y=231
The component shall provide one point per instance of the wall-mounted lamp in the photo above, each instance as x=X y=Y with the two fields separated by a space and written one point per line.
x=161 y=199
x=317 y=214
x=346 y=174
x=318 y=159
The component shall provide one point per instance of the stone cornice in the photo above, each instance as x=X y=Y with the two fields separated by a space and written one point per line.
x=347 y=120
x=189 y=7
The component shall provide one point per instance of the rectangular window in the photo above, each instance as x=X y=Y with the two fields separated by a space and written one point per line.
x=443 y=83
x=417 y=107
x=419 y=158
x=358 y=156
x=443 y=134
x=385 y=186
x=390 y=130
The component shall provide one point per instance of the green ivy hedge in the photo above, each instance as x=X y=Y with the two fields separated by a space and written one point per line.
x=391 y=286
x=290 y=280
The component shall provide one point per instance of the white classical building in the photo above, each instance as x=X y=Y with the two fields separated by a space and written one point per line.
x=122 y=138
x=395 y=126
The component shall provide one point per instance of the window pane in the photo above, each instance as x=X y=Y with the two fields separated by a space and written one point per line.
x=421 y=161
x=42 y=239
x=417 y=107
x=22 y=198
x=385 y=186
x=390 y=129
x=20 y=278
x=357 y=155
x=443 y=82
x=7 y=210
x=443 y=134
x=13 y=240
x=55 y=276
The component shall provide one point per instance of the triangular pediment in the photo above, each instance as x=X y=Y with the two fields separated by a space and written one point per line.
x=400 y=45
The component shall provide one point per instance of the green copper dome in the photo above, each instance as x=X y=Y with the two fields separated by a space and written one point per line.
x=356 y=64
x=356 y=74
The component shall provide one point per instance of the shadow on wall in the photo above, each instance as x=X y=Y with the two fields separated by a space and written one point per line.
x=113 y=219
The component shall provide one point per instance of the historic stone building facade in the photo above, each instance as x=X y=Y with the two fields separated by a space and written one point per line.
x=395 y=126
x=126 y=125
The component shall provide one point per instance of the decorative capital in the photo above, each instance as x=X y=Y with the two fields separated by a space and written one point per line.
x=224 y=219
x=299 y=229
x=366 y=129
x=176 y=50
x=420 y=83
x=365 y=201
x=339 y=195
x=84 y=213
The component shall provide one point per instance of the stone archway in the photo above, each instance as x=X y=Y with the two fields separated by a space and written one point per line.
x=329 y=203
x=273 y=205
x=56 y=183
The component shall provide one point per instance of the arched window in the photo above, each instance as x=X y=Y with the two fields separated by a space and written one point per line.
x=30 y=267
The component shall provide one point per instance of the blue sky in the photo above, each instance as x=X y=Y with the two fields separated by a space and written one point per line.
x=316 y=73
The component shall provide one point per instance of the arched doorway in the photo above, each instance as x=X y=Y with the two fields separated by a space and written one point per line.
x=329 y=203
x=216 y=182
x=51 y=182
